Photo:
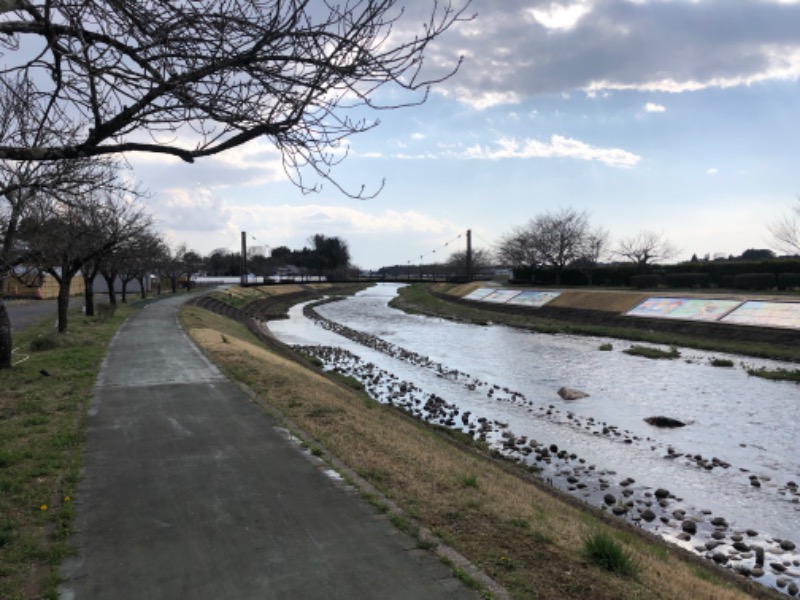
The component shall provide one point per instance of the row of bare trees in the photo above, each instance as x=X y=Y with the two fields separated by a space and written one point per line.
x=566 y=238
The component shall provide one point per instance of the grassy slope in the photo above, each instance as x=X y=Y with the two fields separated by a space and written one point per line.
x=42 y=430
x=520 y=533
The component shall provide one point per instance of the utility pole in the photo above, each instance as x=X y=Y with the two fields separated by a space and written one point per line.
x=243 y=261
x=469 y=254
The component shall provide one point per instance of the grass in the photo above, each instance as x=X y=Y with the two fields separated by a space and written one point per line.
x=42 y=429
x=776 y=374
x=721 y=362
x=606 y=347
x=653 y=353
x=484 y=508
x=604 y=551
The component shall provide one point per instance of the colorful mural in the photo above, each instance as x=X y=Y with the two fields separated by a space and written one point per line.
x=766 y=314
x=687 y=309
x=501 y=296
x=531 y=298
x=480 y=294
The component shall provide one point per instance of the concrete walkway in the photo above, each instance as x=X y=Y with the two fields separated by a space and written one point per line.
x=190 y=491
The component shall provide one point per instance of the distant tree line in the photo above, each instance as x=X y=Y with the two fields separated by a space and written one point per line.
x=323 y=257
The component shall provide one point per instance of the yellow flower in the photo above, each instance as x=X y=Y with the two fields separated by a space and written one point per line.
x=43 y=507
x=67 y=498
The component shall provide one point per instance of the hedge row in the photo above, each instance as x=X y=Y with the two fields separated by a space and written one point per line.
x=783 y=274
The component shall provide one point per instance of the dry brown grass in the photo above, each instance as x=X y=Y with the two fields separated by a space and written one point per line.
x=609 y=301
x=256 y=292
x=465 y=288
x=516 y=531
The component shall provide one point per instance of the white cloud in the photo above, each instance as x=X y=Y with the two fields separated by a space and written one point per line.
x=558 y=147
x=712 y=171
x=653 y=107
x=560 y=16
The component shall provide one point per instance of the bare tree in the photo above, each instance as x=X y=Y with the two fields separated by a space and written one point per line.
x=516 y=249
x=560 y=238
x=481 y=260
x=646 y=248
x=61 y=238
x=192 y=79
x=24 y=183
x=786 y=231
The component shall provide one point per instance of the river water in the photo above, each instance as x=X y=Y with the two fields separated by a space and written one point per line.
x=737 y=457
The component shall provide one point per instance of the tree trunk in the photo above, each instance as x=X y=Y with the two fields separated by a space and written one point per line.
x=112 y=294
x=124 y=295
x=6 y=342
x=88 y=295
x=142 y=288
x=63 y=301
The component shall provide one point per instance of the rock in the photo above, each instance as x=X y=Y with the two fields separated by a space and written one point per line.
x=661 y=493
x=719 y=522
x=619 y=510
x=648 y=515
x=741 y=547
x=779 y=567
x=609 y=499
x=752 y=532
x=787 y=545
x=568 y=393
x=792 y=589
x=664 y=422
x=689 y=527
x=757 y=572
x=720 y=558
x=759 y=555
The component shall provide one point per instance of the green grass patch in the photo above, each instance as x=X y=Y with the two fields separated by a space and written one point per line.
x=606 y=347
x=721 y=362
x=42 y=430
x=602 y=550
x=469 y=480
x=776 y=374
x=653 y=353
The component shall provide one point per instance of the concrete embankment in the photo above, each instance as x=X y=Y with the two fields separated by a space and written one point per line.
x=607 y=308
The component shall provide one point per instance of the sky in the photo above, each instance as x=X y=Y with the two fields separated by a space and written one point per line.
x=680 y=117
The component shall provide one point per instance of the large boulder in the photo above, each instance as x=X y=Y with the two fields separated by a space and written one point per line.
x=568 y=393
x=664 y=422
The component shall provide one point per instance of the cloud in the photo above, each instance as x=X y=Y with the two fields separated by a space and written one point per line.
x=712 y=171
x=558 y=147
x=653 y=107
x=519 y=51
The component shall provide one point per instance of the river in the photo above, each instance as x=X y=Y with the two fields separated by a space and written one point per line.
x=737 y=458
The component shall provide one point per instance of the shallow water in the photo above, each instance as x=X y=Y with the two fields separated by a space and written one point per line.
x=746 y=422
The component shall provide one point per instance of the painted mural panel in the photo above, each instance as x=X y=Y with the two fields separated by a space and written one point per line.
x=766 y=314
x=687 y=309
x=501 y=296
x=533 y=298
x=479 y=294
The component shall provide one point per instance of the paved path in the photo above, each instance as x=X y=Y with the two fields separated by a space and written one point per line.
x=190 y=491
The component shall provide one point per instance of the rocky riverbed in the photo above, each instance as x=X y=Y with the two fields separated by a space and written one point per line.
x=773 y=561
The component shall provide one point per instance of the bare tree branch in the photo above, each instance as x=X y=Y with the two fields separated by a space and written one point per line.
x=786 y=231
x=219 y=72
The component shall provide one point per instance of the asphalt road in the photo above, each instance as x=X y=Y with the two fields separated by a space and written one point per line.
x=23 y=313
x=190 y=491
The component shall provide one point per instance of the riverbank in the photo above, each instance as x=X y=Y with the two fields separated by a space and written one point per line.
x=524 y=534
x=598 y=313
